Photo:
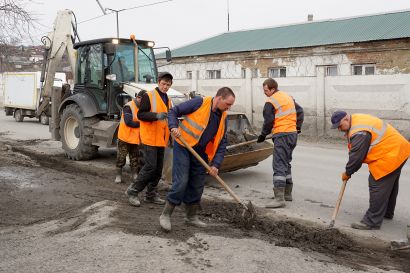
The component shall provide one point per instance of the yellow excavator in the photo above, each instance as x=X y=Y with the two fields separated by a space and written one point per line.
x=107 y=73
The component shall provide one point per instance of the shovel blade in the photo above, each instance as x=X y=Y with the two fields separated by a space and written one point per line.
x=249 y=213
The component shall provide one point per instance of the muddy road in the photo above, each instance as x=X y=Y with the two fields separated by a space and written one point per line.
x=59 y=215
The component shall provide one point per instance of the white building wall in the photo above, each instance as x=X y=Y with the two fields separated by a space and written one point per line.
x=304 y=66
x=1 y=90
x=386 y=96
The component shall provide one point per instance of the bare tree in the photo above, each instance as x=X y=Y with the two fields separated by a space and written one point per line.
x=16 y=21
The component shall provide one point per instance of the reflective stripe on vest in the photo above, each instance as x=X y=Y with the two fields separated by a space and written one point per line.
x=285 y=113
x=155 y=133
x=380 y=133
x=194 y=124
x=388 y=148
x=126 y=133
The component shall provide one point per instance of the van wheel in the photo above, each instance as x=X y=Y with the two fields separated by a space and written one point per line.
x=18 y=115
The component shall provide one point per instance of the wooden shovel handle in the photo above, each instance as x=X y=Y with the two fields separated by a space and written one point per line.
x=208 y=168
x=246 y=143
x=339 y=200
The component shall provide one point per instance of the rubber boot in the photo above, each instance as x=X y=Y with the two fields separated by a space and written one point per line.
x=279 y=201
x=134 y=174
x=288 y=192
x=133 y=199
x=165 y=218
x=118 y=175
x=191 y=217
x=154 y=198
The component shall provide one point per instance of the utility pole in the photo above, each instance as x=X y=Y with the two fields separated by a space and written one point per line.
x=227 y=5
x=118 y=11
x=116 y=14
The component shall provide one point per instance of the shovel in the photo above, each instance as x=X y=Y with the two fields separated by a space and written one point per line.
x=339 y=201
x=249 y=212
x=335 y=211
x=245 y=143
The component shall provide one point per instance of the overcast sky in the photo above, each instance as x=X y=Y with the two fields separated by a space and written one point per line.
x=181 y=22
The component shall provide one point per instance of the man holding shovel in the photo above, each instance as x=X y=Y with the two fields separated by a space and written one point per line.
x=376 y=143
x=204 y=129
x=283 y=117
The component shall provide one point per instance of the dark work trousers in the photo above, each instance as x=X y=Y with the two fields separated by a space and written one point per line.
x=150 y=173
x=383 y=194
x=282 y=156
x=188 y=176
x=125 y=148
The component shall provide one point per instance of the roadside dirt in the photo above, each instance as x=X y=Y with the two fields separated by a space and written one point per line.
x=36 y=188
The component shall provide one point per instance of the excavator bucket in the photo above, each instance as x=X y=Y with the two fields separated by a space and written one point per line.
x=244 y=156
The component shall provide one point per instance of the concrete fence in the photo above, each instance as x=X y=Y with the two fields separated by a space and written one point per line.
x=385 y=96
x=1 y=90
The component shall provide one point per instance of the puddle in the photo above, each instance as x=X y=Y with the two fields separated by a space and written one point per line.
x=20 y=177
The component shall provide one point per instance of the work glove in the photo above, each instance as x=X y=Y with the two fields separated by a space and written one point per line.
x=261 y=138
x=345 y=176
x=162 y=115
x=299 y=130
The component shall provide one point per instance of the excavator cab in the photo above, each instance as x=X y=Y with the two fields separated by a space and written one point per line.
x=103 y=67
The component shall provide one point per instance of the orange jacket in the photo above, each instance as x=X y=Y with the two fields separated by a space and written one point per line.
x=285 y=112
x=388 y=148
x=155 y=133
x=126 y=133
x=194 y=124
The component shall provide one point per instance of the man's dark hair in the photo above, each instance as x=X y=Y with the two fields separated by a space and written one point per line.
x=165 y=76
x=271 y=83
x=225 y=92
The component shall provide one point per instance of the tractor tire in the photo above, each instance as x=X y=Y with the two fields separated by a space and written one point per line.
x=76 y=133
x=18 y=115
x=44 y=119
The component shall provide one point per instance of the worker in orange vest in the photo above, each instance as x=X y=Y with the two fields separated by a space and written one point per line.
x=154 y=132
x=283 y=118
x=129 y=138
x=376 y=143
x=203 y=128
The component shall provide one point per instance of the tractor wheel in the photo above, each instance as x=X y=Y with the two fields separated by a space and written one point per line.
x=76 y=133
x=18 y=115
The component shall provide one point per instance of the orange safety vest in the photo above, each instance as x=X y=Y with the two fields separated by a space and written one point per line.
x=126 y=133
x=285 y=113
x=194 y=124
x=388 y=148
x=155 y=133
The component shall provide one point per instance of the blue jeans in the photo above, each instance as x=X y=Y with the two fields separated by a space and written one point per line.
x=188 y=177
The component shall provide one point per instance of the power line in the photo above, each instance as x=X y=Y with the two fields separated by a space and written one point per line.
x=136 y=7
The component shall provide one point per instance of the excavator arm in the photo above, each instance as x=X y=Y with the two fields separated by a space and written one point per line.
x=56 y=43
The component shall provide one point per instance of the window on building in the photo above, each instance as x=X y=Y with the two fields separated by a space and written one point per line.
x=277 y=72
x=213 y=74
x=189 y=75
x=331 y=70
x=363 y=69
x=243 y=73
x=255 y=73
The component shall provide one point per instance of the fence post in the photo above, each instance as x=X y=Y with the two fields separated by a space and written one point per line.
x=320 y=101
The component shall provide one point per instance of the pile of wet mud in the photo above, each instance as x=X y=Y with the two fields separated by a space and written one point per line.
x=286 y=233
x=236 y=138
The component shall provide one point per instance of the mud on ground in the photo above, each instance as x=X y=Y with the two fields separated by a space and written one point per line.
x=37 y=188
